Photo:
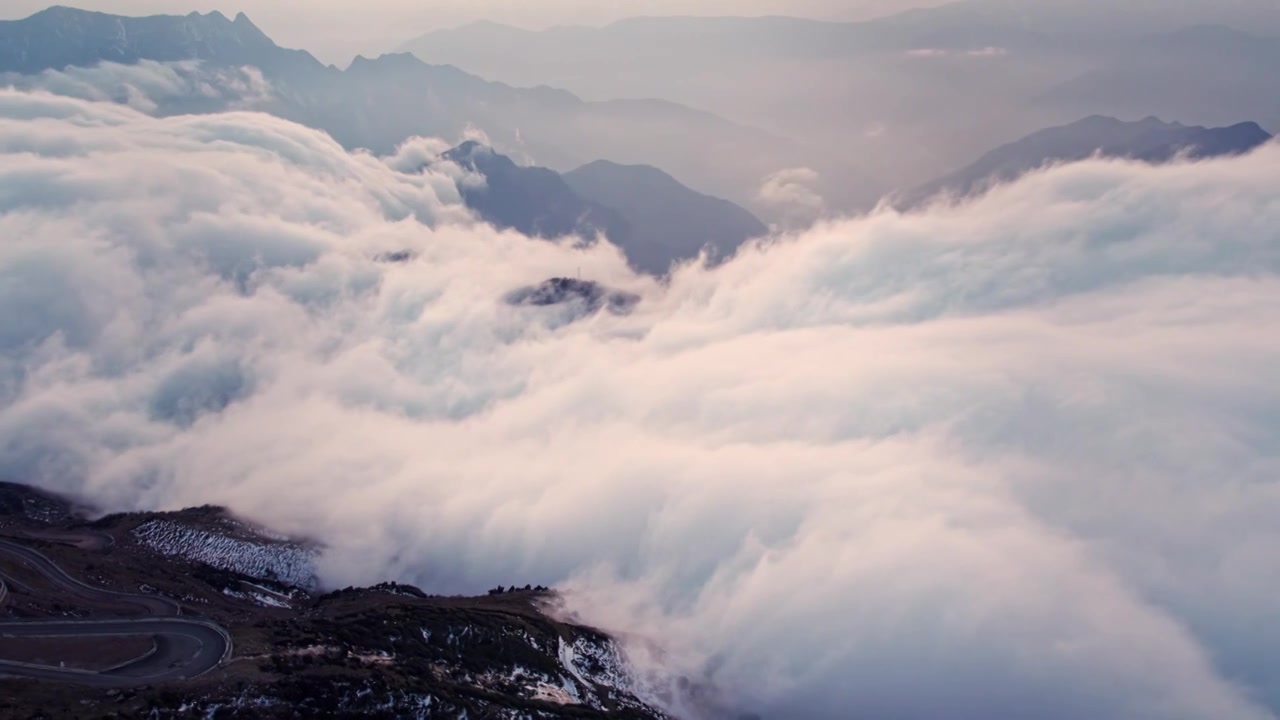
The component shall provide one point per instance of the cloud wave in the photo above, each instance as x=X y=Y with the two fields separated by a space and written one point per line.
x=149 y=86
x=1014 y=458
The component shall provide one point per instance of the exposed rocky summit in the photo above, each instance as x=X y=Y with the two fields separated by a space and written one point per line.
x=587 y=294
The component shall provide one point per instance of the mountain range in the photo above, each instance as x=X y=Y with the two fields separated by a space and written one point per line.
x=962 y=25
x=378 y=103
x=1207 y=74
x=977 y=58
x=62 y=36
x=907 y=97
x=1148 y=140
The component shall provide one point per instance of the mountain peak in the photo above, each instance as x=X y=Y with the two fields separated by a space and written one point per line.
x=475 y=156
x=487 y=25
x=1250 y=126
x=640 y=178
x=246 y=29
x=385 y=61
x=1097 y=122
x=612 y=165
x=470 y=147
x=61 y=12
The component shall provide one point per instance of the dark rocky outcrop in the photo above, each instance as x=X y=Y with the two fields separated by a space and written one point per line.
x=590 y=295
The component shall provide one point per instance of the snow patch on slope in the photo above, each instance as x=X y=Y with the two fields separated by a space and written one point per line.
x=600 y=670
x=284 y=562
x=262 y=599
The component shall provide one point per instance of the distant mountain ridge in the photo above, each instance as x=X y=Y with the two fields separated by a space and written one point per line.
x=379 y=103
x=892 y=102
x=1209 y=74
x=61 y=36
x=649 y=215
x=1149 y=140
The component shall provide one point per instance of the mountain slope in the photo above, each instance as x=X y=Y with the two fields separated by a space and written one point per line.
x=668 y=221
x=1149 y=140
x=378 y=103
x=649 y=215
x=533 y=200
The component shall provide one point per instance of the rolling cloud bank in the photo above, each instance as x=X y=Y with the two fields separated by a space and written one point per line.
x=1014 y=458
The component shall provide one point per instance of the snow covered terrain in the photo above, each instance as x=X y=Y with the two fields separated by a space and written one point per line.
x=282 y=561
x=592 y=675
x=599 y=667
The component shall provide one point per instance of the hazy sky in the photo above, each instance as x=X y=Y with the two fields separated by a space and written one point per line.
x=335 y=30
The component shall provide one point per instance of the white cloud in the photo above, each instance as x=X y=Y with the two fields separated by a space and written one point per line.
x=982 y=52
x=927 y=52
x=148 y=85
x=1011 y=459
x=472 y=133
x=792 y=193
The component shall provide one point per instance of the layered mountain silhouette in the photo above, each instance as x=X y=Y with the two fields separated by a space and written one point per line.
x=667 y=221
x=1149 y=140
x=1211 y=74
x=959 y=25
x=891 y=102
x=533 y=200
x=648 y=214
x=378 y=103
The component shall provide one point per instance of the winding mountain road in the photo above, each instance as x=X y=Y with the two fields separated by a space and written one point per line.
x=182 y=647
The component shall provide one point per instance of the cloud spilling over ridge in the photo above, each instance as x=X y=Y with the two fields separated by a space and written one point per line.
x=1011 y=459
x=147 y=85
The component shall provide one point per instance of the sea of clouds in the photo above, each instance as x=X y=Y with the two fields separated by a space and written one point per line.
x=1011 y=459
